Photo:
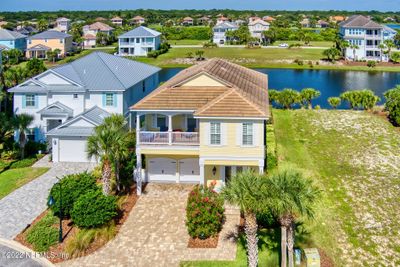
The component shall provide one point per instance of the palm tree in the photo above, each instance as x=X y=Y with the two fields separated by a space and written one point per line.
x=389 y=45
x=381 y=48
x=354 y=47
x=245 y=190
x=291 y=196
x=21 y=123
x=308 y=94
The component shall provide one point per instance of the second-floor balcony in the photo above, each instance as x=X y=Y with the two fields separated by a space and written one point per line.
x=167 y=129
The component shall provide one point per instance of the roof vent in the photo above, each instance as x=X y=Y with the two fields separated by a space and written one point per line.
x=84 y=71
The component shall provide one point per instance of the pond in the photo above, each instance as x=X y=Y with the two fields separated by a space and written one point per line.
x=329 y=82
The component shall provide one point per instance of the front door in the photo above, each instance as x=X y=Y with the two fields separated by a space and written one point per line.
x=228 y=174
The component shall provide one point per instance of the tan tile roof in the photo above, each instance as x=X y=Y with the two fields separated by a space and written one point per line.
x=245 y=92
x=100 y=26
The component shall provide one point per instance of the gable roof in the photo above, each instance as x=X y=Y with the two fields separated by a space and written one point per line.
x=100 y=26
x=63 y=19
x=94 y=116
x=243 y=92
x=56 y=108
x=10 y=35
x=360 y=21
x=97 y=71
x=258 y=21
x=140 y=31
x=116 y=18
x=39 y=47
x=50 y=34
x=226 y=25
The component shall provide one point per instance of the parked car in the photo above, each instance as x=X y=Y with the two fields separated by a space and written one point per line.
x=284 y=45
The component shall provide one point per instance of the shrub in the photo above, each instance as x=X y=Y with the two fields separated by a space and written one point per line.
x=317 y=107
x=371 y=63
x=392 y=104
x=307 y=95
x=299 y=62
x=73 y=186
x=10 y=154
x=273 y=95
x=334 y=102
x=93 y=209
x=288 y=97
x=32 y=148
x=43 y=234
x=210 y=45
x=24 y=163
x=204 y=212
x=365 y=99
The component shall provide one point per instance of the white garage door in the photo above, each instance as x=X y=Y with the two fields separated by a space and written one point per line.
x=162 y=170
x=189 y=170
x=72 y=150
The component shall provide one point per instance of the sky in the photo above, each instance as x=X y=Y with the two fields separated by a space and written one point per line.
x=51 y=5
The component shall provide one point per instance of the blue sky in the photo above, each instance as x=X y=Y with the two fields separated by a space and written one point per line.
x=42 y=5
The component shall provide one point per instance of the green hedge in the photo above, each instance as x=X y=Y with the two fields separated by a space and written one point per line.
x=204 y=212
x=94 y=209
x=73 y=186
x=23 y=163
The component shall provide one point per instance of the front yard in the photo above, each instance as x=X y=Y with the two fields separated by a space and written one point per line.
x=355 y=158
x=12 y=179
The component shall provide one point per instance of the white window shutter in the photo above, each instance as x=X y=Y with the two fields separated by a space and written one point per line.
x=207 y=133
x=239 y=129
x=224 y=134
x=257 y=134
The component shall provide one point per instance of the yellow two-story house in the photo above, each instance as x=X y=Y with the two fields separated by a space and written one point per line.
x=203 y=125
x=39 y=44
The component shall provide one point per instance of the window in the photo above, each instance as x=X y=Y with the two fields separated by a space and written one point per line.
x=29 y=41
x=45 y=40
x=191 y=124
x=162 y=122
x=75 y=96
x=137 y=40
x=61 y=41
x=247 y=134
x=30 y=101
x=215 y=133
x=109 y=99
x=30 y=134
x=144 y=86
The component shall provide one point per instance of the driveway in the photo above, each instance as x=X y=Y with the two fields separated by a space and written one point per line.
x=155 y=234
x=22 y=206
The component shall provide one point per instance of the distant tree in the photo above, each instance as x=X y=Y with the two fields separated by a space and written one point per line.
x=332 y=53
x=14 y=76
x=392 y=104
x=288 y=97
x=307 y=95
x=381 y=48
x=42 y=25
x=334 y=102
x=34 y=67
x=12 y=56
x=21 y=123
x=273 y=95
x=395 y=57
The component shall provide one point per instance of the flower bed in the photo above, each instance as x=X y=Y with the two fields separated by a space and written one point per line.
x=80 y=242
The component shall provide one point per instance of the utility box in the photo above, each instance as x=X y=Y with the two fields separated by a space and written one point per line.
x=312 y=257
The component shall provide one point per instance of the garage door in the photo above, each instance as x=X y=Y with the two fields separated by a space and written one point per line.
x=162 y=170
x=72 y=150
x=189 y=170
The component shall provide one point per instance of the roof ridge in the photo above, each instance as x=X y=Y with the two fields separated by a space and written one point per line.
x=98 y=55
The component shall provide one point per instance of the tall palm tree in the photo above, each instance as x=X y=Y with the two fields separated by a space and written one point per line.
x=291 y=196
x=381 y=48
x=354 y=48
x=245 y=190
x=21 y=123
x=389 y=46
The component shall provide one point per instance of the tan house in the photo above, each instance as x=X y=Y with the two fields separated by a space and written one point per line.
x=337 y=19
x=96 y=28
x=117 y=21
x=39 y=44
x=222 y=19
x=268 y=19
x=138 y=20
x=203 y=125
x=187 y=21
x=89 y=40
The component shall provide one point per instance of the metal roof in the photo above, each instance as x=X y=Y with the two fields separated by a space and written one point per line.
x=95 y=115
x=56 y=108
x=140 y=31
x=10 y=35
x=50 y=34
x=39 y=47
x=226 y=25
x=97 y=71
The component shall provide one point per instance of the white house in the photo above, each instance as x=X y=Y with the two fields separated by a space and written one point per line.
x=257 y=27
x=63 y=24
x=365 y=37
x=139 y=41
x=219 y=31
x=68 y=101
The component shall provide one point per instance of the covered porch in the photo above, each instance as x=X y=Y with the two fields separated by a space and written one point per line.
x=37 y=51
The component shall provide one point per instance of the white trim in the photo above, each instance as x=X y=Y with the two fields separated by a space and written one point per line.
x=168 y=147
x=200 y=74
x=240 y=158
x=232 y=118
x=162 y=110
x=59 y=75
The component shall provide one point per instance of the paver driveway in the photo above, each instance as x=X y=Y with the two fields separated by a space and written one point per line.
x=155 y=234
x=21 y=207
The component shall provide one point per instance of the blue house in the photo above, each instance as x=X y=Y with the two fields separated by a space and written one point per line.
x=11 y=40
x=139 y=41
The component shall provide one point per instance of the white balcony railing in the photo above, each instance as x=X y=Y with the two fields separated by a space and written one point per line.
x=136 y=44
x=168 y=138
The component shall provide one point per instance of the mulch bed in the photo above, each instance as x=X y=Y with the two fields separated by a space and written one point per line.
x=325 y=260
x=211 y=242
x=69 y=230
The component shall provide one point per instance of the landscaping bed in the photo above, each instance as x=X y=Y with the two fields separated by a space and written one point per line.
x=211 y=242
x=77 y=242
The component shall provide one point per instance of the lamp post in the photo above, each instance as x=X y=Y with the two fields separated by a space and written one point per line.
x=51 y=202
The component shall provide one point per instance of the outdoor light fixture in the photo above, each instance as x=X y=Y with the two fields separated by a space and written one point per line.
x=214 y=170
x=55 y=142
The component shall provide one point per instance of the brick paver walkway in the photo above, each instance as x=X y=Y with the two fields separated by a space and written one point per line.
x=21 y=207
x=155 y=234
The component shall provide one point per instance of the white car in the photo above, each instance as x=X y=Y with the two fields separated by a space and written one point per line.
x=284 y=45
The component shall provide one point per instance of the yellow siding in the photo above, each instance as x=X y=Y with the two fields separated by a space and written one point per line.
x=210 y=178
x=66 y=46
x=230 y=147
x=232 y=162
x=178 y=122
x=173 y=151
x=203 y=80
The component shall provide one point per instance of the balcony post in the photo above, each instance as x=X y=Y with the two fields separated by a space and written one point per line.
x=137 y=128
x=170 y=129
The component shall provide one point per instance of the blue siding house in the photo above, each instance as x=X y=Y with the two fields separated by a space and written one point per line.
x=11 y=40
x=138 y=42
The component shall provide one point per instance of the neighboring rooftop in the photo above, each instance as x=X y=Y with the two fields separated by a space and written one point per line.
x=258 y=21
x=360 y=21
x=140 y=32
x=63 y=19
x=243 y=92
x=226 y=25
x=100 y=26
x=50 y=34
x=97 y=71
x=116 y=18
x=10 y=35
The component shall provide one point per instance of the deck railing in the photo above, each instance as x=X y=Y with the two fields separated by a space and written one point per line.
x=168 y=138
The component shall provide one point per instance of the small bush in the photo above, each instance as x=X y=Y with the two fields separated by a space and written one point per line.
x=43 y=234
x=299 y=62
x=273 y=95
x=73 y=186
x=10 y=154
x=23 y=163
x=365 y=99
x=371 y=64
x=204 y=212
x=288 y=97
x=272 y=161
x=4 y=165
x=93 y=209
x=317 y=107
x=334 y=102
x=32 y=148
x=392 y=104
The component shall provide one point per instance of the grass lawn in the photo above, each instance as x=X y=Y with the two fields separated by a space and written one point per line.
x=187 y=42
x=313 y=43
x=10 y=180
x=354 y=157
